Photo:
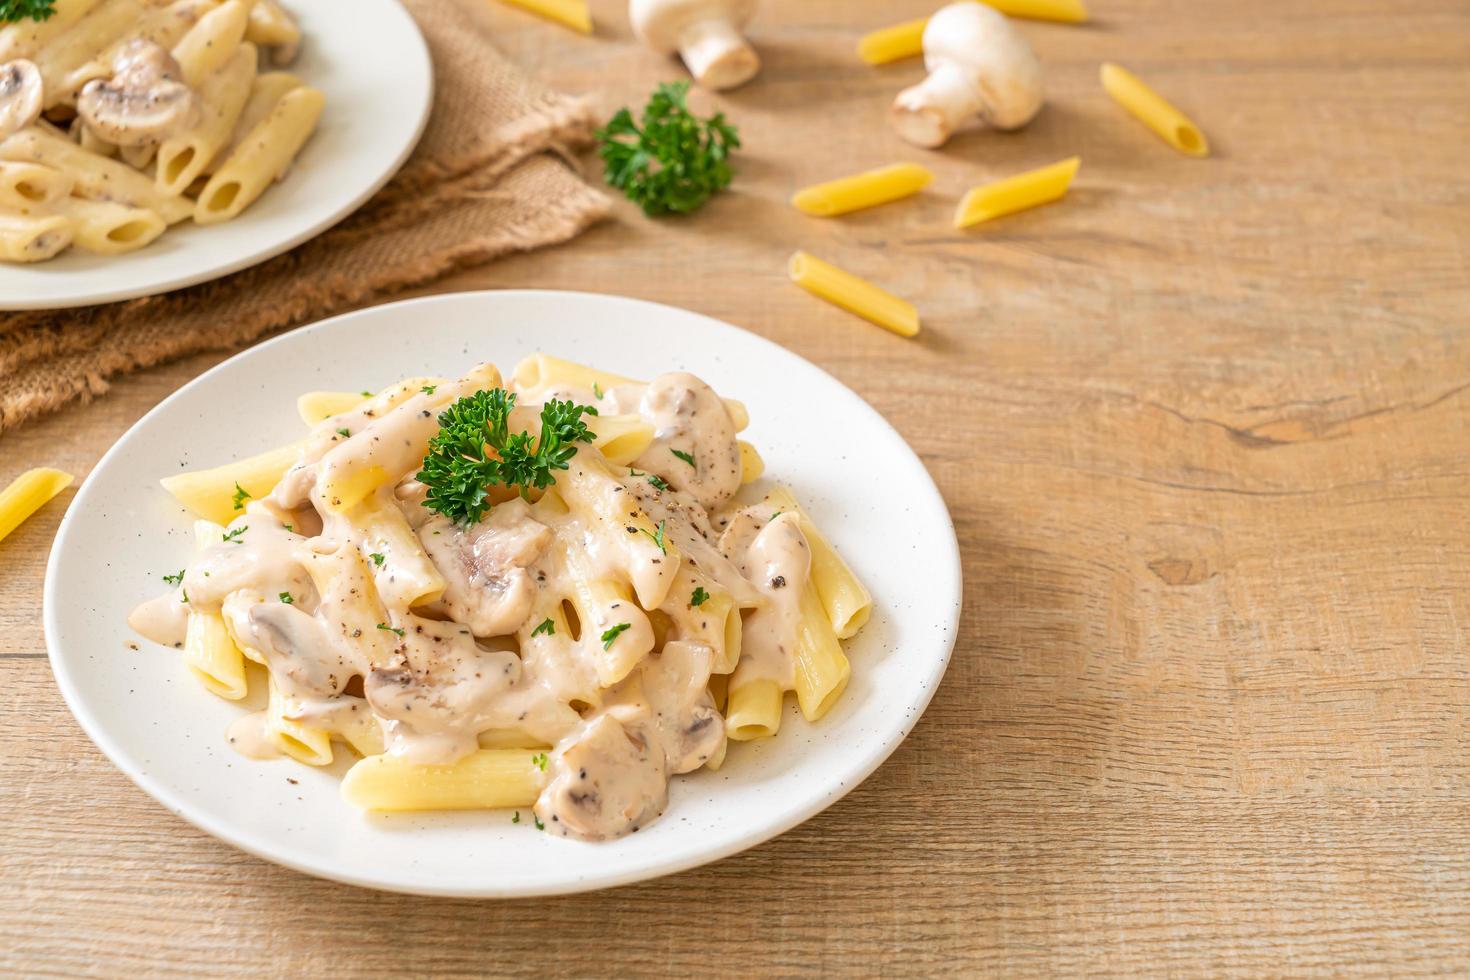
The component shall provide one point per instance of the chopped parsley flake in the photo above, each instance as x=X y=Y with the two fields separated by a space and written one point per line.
x=611 y=636
x=659 y=483
x=289 y=527
x=235 y=534
x=186 y=594
x=539 y=824
x=516 y=818
x=547 y=627
x=390 y=629
x=344 y=433
x=377 y=559
x=776 y=515
x=539 y=761
x=240 y=496
x=596 y=390
x=174 y=579
x=428 y=389
x=286 y=598
x=684 y=456
x=366 y=394
x=699 y=597
x=658 y=537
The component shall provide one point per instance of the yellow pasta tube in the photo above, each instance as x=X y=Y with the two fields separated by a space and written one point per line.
x=365 y=736
x=270 y=26
x=717 y=757
x=539 y=372
x=847 y=601
x=62 y=62
x=96 y=177
x=24 y=38
x=822 y=669
x=751 y=464
x=29 y=185
x=568 y=13
x=222 y=95
x=620 y=438
x=265 y=92
x=1065 y=11
x=109 y=228
x=715 y=621
x=650 y=559
x=312 y=746
x=753 y=711
x=509 y=738
x=209 y=652
x=855 y=295
x=887 y=44
x=212 y=41
x=405 y=575
x=33 y=238
x=316 y=406
x=213 y=493
x=483 y=780
x=1150 y=108
x=262 y=157
x=27 y=494
x=1027 y=190
x=864 y=190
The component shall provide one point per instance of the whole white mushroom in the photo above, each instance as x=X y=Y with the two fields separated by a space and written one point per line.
x=705 y=33
x=979 y=65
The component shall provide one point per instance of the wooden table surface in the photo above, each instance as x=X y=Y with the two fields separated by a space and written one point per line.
x=1204 y=428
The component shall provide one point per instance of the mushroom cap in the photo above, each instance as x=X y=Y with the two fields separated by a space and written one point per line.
x=658 y=23
x=143 y=102
x=997 y=58
x=21 y=93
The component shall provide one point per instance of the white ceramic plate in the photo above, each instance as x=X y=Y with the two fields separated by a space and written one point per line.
x=864 y=486
x=374 y=68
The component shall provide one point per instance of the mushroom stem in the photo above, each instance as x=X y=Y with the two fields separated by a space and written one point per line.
x=717 y=55
x=927 y=113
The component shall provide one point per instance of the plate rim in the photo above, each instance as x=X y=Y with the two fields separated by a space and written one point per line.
x=158 y=790
x=281 y=247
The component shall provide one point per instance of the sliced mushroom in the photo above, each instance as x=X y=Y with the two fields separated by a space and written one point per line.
x=484 y=566
x=143 y=102
x=20 y=95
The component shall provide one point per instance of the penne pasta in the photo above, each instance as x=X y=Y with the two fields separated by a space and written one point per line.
x=209 y=652
x=109 y=228
x=568 y=13
x=271 y=27
x=1146 y=105
x=24 y=38
x=223 y=93
x=305 y=744
x=212 y=41
x=906 y=40
x=405 y=576
x=487 y=779
x=265 y=92
x=865 y=190
x=754 y=711
x=25 y=186
x=94 y=177
x=751 y=464
x=539 y=373
x=261 y=158
x=621 y=438
x=1027 y=190
x=33 y=237
x=847 y=601
x=213 y=494
x=27 y=494
x=855 y=295
x=69 y=61
x=822 y=669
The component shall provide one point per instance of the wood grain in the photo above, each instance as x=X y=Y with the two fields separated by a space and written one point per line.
x=1204 y=428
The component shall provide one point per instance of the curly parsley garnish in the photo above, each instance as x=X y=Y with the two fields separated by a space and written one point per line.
x=474 y=450
x=658 y=537
x=391 y=629
x=240 y=496
x=547 y=627
x=699 y=597
x=684 y=456
x=235 y=534
x=675 y=160
x=14 y=10
x=611 y=636
x=175 y=579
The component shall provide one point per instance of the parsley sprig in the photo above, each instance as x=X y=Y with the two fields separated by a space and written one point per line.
x=675 y=161
x=474 y=450
x=13 y=10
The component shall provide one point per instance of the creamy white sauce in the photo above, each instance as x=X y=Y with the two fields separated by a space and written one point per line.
x=349 y=654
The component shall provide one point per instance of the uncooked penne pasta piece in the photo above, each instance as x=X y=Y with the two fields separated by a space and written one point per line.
x=568 y=13
x=864 y=190
x=109 y=228
x=262 y=157
x=1066 y=11
x=24 y=186
x=32 y=237
x=27 y=493
x=1150 y=108
x=855 y=295
x=1026 y=190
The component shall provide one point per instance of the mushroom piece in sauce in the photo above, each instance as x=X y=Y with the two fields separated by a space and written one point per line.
x=143 y=102
x=20 y=95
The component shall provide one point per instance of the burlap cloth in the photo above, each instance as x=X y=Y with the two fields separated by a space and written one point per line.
x=488 y=178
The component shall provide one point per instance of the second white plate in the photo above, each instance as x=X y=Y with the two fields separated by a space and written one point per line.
x=863 y=485
x=374 y=69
